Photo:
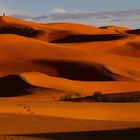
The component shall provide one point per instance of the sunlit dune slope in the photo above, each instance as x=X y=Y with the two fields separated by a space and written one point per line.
x=34 y=84
x=83 y=87
x=42 y=65
x=86 y=29
x=10 y=21
x=128 y=66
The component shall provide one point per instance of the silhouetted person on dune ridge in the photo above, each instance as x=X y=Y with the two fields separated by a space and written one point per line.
x=3 y=14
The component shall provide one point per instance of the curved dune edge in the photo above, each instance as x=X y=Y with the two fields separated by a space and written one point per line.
x=86 y=88
x=31 y=83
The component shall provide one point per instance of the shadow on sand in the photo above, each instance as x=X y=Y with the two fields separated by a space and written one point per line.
x=14 y=85
x=88 y=38
x=136 y=31
x=124 y=134
x=25 y=31
x=78 y=70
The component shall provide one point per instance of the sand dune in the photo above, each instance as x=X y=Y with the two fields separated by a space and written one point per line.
x=82 y=87
x=54 y=31
x=84 y=61
x=42 y=63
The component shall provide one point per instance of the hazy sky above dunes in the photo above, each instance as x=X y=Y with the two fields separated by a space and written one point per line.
x=93 y=12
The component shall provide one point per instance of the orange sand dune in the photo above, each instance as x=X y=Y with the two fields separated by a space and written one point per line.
x=40 y=64
x=77 y=38
x=52 y=31
x=7 y=20
x=36 y=83
x=85 y=88
x=31 y=53
x=86 y=29
x=17 y=53
x=74 y=63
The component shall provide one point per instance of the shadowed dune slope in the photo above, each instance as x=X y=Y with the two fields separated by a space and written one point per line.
x=82 y=87
x=14 y=85
x=136 y=31
x=78 y=70
x=121 y=134
x=23 y=31
x=114 y=27
x=77 y=38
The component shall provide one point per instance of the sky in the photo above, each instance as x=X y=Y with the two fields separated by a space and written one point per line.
x=92 y=12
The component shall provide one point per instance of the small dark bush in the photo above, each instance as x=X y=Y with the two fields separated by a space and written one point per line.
x=98 y=96
x=70 y=96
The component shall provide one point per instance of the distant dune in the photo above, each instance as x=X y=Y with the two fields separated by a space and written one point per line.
x=136 y=31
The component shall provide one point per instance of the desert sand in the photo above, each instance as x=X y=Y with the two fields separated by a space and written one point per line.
x=41 y=64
